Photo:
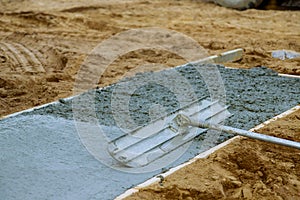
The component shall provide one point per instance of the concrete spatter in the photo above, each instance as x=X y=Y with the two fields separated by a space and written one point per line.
x=42 y=157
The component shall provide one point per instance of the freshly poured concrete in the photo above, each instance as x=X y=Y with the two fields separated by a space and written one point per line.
x=43 y=158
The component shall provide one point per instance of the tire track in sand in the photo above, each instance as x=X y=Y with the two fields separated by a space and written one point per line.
x=23 y=59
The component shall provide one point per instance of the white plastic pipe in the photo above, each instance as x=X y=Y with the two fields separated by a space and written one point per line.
x=239 y=4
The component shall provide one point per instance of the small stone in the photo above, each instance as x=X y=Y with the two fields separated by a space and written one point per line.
x=295 y=183
x=215 y=177
x=263 y=192
x=232 y=178
x=279 y=179
x=222 y=190
x=161 y=181
x=217 y=159
x=3 y=93
x=260 y=174
x=275 y=187
x=237 y=194
x=237 y=183
x=269 y=180
x=272 y=161
x=247 y=192
x=286 y=188
x=62 y=101
x=290 y=164
x=279 y=198
x=259 y=186
x=3 y=59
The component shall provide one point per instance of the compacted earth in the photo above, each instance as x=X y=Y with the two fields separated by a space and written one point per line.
x=44 y=43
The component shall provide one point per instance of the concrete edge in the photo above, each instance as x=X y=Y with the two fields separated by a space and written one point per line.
x=279 y=74
x=36 y=107
x=289 y=75
x=205 y=154
x=284 y=114
x=228 y=56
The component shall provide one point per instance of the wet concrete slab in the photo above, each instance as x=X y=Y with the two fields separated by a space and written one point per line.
x=42 y=155
x=43 y=158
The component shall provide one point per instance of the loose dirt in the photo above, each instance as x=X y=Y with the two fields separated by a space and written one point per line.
x=43 y=43
x=244 y=169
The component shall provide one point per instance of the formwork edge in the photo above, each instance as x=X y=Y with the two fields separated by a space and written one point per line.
x=202 y=155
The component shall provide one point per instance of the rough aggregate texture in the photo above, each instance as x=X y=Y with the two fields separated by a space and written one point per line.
x=253 y=96
x=44 y=159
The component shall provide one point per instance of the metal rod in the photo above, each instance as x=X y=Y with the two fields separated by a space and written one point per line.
x=249 y=134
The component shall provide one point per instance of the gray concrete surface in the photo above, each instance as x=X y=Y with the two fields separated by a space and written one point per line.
x=42 y=156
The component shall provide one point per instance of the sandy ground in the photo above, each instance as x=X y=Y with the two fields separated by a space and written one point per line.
x=43 y=43
x=244 y=169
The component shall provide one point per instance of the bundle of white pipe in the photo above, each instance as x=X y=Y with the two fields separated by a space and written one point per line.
x=238 y=4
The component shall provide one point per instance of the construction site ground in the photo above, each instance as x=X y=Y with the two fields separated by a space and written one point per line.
x=44 y=43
